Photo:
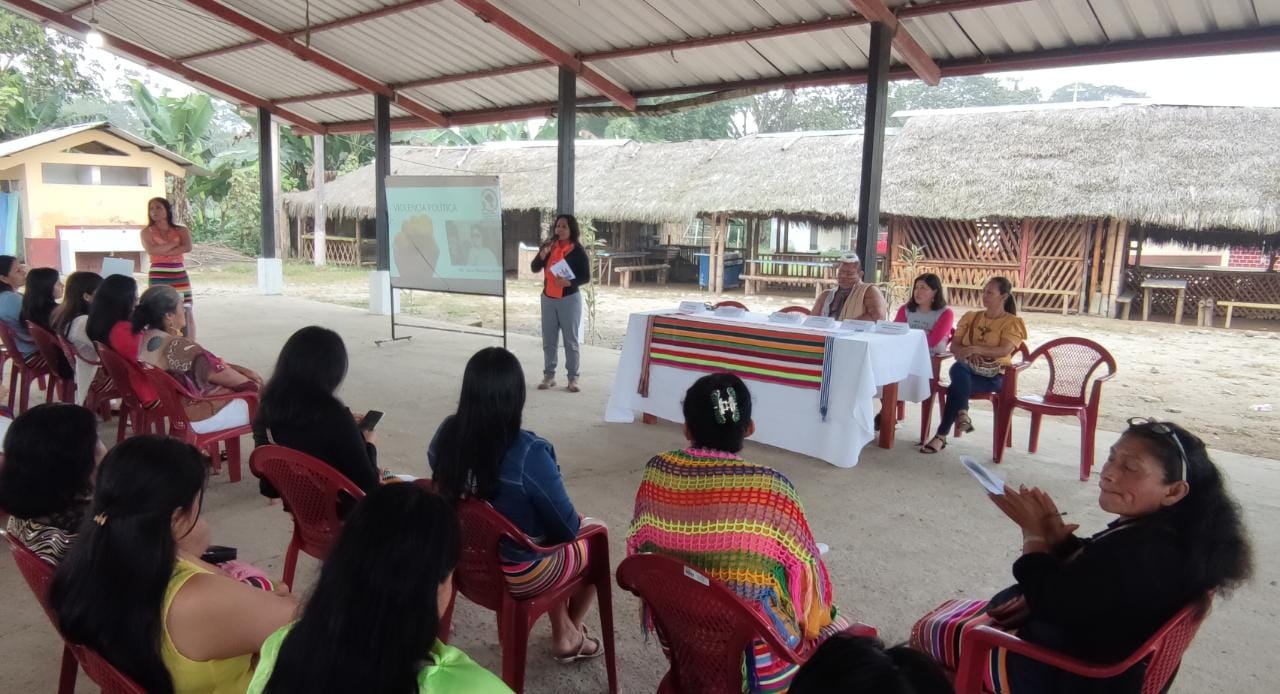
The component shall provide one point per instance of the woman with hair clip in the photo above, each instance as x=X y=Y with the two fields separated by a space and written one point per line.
x=166 y=241
x=300 y=409
x=387 y=581
x=481 y=451
x=71 y=320
x=158 y=321
x=983 y=345
x=737 y=521
x=561 y=301
x=1178 y=534
x=134 y=589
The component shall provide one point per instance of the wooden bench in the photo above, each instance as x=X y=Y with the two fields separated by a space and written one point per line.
x=1066 y=294
x=1126 y=300
x=624 y=273
x=819 y=283
x=1232 y=305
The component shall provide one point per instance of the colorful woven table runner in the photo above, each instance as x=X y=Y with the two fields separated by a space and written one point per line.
x=790 y=358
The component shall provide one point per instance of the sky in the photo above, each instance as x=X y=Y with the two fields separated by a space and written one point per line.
x=1234 y=80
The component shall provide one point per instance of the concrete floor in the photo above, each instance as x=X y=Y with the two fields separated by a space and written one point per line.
x=906 y=531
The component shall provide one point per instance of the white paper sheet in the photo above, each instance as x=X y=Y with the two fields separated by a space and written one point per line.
x=993 y=484
x=561 y=269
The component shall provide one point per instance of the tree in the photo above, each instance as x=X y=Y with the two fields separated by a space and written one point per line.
x=39 y=71
x=956 y=92
x=1084 y=91
x=716 y=121
x=822 y=108
x=177 y=124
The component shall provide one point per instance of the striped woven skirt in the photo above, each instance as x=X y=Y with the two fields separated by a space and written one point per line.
x=939 y=633
x=769 y=674
x=527 y=579
x=171 y=275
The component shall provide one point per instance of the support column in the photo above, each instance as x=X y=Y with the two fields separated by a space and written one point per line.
x=566 y=130
x=380 y=299
x=270 y=267
x=319 y=213
x=873 y=148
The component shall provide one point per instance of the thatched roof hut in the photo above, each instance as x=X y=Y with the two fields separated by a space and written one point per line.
x=796 y=175
x=1210 y=170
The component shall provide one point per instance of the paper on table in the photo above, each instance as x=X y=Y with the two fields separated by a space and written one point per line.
x=561 y=269
x=993 y=484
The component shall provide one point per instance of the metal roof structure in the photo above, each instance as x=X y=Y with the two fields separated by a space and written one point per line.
x=22 y=144
x=315 y=63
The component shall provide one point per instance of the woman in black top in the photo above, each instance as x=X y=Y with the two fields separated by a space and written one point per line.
x=561 y=301
x=1178 y=535
x=299 y=410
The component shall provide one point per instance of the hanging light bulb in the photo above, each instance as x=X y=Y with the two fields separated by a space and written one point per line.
x=94 y=37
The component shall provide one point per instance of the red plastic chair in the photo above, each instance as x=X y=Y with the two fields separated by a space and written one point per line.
x=1072 y=362
x=103 y=674
x=21 y=376
x=735 y=304
x=125 y=374
x=60 y=389
x=1002 y=429
x=171 y=395
x=479 y=577
x=791 y=309
x=99 y=402
x=39 y=574
x=704 y=626
x=310 y=489
x=1163 y=653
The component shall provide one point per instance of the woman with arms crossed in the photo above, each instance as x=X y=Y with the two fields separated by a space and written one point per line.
x=165 y=241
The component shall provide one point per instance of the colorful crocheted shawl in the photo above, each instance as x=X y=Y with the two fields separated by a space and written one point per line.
x=741 y=523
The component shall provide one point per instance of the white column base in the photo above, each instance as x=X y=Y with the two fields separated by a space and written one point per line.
x=381 y=302
x=270 y=276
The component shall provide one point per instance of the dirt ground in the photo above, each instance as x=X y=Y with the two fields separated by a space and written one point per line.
x=1209 y=379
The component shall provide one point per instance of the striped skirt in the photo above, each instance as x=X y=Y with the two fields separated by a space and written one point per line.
x=527 y=579
x=171 y=275
x=938 y=634
x=771 y=675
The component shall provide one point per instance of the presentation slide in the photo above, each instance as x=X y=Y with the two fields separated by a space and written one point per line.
x=446 y=233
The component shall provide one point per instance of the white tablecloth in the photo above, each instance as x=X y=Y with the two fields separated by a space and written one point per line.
x=785 y=416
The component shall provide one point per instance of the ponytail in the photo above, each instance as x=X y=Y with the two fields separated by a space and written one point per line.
x=156 y=303
x=1006 y=289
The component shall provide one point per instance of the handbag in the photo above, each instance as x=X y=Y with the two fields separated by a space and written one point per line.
x=982 y=366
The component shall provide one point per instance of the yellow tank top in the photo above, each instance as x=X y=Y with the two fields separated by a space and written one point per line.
x=230 y=676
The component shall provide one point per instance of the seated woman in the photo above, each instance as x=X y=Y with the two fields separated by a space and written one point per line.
x=109 y=323
x=737 y=521
x=71 y=320
x=388 y=579
x=1178 y=534
x=13 y=277
x=927 y=310
x=851 y=298
x=45 y=483
x=481 y=451
x=134 y=589
x=299 y=409
x=855 y=664
x=983 y=346
x=159 y=320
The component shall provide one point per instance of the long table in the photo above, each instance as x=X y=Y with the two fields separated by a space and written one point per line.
x=787 y=416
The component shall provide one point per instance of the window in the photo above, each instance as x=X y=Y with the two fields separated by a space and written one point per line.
x=86 y=175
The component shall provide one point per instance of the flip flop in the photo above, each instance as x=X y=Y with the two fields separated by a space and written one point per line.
x=582 y=647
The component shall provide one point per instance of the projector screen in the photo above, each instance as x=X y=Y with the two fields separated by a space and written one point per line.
x=446 y=233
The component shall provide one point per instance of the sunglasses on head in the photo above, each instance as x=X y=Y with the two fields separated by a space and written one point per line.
x=1164 y=429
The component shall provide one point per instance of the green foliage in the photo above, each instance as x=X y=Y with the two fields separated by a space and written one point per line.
x=474 y=134
x=712 y=122
x=823 y=108
x=46 y=61
x=234 y=218
x=1084 y=91
x=956 y=92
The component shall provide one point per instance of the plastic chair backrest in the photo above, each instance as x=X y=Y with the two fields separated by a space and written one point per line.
x=169 y=392
x=794 y=309
x=10 y=341
x=310 y=489
x=37 y=572
x=1072 y=362
x=111 y=680
x=479 y=572
x=1171 y=642
x=124 y=373
x=705 y=626
x=47 y=345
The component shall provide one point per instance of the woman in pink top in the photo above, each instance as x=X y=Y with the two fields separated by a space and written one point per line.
x=165 y=241
x=927 y=310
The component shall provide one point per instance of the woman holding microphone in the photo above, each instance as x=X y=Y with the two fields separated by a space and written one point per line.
x=561 y=301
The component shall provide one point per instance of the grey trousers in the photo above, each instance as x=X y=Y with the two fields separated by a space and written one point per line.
x=561 y=317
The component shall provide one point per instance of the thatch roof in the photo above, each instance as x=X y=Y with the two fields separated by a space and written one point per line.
x=1181 y=167
x=804 y=175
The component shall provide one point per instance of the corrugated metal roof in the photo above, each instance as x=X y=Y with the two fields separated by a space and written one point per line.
x=23 y=144
x=413 y=41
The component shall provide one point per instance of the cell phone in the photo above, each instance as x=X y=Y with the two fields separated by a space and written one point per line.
x=371 y=419
x=217 y=554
